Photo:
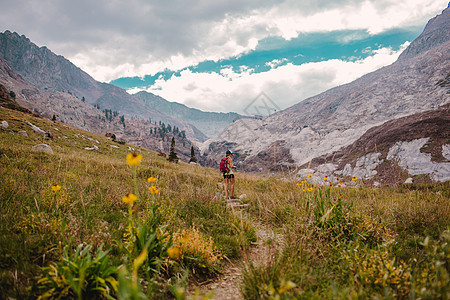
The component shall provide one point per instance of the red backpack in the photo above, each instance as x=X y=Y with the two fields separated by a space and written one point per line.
x=224 y=165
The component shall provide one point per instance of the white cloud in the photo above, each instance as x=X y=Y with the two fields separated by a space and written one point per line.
x=276 y=62
x=374 y=16
x=286 y=85
x=111 y=39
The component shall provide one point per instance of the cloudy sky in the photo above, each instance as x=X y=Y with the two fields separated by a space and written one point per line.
x=220 y=55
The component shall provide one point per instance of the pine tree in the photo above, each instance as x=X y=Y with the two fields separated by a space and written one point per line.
x=193 y=158
x=172 y=155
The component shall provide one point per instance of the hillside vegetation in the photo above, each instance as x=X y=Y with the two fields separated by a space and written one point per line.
x=122 y=222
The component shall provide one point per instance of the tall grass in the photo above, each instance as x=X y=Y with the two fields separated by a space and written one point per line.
x=341 y=242
x=357 y=242
x=38 y=225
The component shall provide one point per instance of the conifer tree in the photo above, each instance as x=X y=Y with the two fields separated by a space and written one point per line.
x=193 y=158
x=172 y=155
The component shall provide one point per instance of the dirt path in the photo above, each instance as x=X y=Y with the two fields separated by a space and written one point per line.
x=226 y=287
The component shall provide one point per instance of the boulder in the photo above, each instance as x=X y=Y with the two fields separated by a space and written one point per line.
x=43 y=147
x=38 y=130
x=409 y=180
x=95 y=148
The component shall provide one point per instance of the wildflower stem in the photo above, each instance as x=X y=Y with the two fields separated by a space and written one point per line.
x=135 y=185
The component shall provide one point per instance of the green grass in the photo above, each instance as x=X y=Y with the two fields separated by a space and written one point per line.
x=341 y=242
x=37 y=223
x=356 y=243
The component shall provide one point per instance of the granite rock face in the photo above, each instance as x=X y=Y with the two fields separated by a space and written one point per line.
x=410 y=158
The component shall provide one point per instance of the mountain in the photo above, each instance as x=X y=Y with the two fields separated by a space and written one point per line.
x=47 y=71
x=210 y=123
x=436 y=33
x=325 y=123
x=413 y=145
x=18 y=94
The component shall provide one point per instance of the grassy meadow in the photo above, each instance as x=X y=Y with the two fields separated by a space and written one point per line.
x=124 y=223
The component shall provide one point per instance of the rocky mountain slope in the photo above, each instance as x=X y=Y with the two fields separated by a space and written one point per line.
x=327 y=122
x=414 y=145
x=47 y=71
x=16 y=93
x=210 y=123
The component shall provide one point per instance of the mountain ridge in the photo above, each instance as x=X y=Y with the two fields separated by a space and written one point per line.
x=68 y=109
x=48 y=71
x=210 y=123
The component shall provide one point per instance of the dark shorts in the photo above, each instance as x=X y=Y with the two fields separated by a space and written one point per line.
x=228 y=176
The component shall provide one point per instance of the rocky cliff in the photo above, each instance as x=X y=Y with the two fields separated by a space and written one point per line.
x=436 y=33
x=413 y=146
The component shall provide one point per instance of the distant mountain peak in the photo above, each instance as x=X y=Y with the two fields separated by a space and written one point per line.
x=436 y=33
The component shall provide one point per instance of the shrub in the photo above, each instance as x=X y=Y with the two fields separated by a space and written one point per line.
x=195 y=252
x=153 y=237
x=431 y=274
x=79 y=275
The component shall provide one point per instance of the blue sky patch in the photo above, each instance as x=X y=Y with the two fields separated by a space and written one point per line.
x=311 y=47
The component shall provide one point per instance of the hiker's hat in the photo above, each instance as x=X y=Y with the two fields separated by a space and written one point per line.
x=229 y=152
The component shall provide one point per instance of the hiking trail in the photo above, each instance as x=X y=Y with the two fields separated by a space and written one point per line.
x=227 y=285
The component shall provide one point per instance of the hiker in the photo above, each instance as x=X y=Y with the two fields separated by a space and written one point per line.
x=228 y=175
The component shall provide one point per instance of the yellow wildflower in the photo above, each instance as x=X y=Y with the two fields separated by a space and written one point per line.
x=310 y=189
x=56 y=187
x=134 y=159
x=354 y=178
x=129 y=198
x=299 y=183
x=179 y=291
x=325 y=178
x=310 y=175
x=285 y=286
x=151 y=179
x=174 y=252
x=153 y=190
x=304 y=190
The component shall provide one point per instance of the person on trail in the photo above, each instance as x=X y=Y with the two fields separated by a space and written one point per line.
x=228 y=176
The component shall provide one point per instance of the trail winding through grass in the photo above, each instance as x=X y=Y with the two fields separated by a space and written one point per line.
x=227 y=286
